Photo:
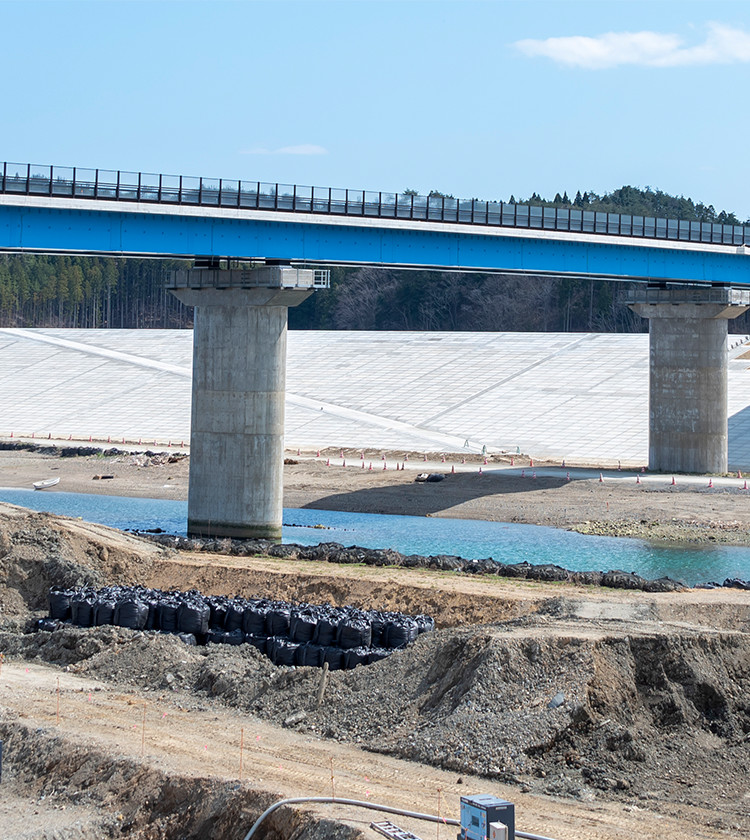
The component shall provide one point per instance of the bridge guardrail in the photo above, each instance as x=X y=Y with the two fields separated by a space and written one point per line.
x=113 y=185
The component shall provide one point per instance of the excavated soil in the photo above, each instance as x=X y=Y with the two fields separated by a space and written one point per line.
x=602 y=714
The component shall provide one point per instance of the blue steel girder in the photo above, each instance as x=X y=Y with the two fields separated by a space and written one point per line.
x=82 y=226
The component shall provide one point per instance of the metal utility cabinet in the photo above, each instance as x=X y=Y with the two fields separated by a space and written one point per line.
x=485 y=817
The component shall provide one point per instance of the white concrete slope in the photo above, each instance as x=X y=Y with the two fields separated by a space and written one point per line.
x=579 y=396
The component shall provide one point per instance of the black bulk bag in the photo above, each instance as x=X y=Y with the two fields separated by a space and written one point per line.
x=104 y=613
x=375 y=654
x=166 y=616
x=192 y=617
x=48 y=625
x=233 y=620
x=218 y=615
x=236 y=637
x=277 y=622
x=302 y=628
x=398 y=634
x=151 y=621
x=354 y=633
x=377 y=626
x=82 y=611
x=334 y=657
x=254 y=621
x=281 y=651
x=188 y=639
x=131 y=613
x=215 y=636
x=309 y=656
x=425 y=624
x=355 y=656
x=326 y=632
x=258 y=642
x=59 y=604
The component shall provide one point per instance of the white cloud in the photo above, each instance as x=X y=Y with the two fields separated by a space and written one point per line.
x=303 y=149
x=722 y=45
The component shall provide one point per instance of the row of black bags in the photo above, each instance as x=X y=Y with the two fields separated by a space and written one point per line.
x=289 y=634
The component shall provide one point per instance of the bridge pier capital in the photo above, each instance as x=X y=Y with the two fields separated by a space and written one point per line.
x=688 y=329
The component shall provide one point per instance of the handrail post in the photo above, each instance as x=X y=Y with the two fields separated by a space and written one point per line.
x=51 y=175
x=158 y=195
x=179 y=191
x=200 y=190
x=96 y=183
x=28 y=178
x=221 y=183
x=117 y=189
x=74 y=181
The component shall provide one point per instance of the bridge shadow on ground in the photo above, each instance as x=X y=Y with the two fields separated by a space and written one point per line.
x=423 y=499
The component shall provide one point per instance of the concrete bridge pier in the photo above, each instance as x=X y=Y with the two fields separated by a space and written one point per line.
x=688 y=374
x=237 y=419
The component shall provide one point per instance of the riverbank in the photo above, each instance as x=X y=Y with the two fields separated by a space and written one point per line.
x=688 y=511
x=599 y=713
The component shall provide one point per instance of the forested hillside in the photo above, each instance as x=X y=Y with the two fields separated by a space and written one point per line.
x=45 y=291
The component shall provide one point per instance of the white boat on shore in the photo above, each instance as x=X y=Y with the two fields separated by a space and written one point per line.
x=48 y=482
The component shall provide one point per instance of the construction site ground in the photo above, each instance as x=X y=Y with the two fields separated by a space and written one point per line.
x=600 y=713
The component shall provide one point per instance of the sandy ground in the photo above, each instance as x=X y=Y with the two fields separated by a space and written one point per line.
x=687 y=511
x=180 y=738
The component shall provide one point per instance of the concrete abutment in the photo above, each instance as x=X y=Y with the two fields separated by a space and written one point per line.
x=237 y=417
x=688 y=330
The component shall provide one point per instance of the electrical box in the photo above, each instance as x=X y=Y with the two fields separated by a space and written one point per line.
x=486 y=817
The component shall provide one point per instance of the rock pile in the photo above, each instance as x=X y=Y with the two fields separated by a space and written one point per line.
x=332 y=552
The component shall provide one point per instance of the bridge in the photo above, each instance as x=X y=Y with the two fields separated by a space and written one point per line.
x=257 y=248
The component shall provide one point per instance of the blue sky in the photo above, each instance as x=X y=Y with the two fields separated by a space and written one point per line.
x=479 y=99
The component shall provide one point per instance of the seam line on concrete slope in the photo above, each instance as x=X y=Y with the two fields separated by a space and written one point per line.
x=501 y=382
x=381 y=422
x=91 y=350
x=304 y=402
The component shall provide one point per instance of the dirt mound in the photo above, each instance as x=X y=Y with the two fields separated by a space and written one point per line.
x=574 y=714
x=38 y=551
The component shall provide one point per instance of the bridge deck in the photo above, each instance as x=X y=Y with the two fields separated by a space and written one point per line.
x=140 y=187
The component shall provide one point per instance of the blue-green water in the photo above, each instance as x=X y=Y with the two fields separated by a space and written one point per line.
x=470 y=538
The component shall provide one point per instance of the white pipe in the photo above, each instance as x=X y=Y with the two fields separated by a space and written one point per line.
x=373 y=806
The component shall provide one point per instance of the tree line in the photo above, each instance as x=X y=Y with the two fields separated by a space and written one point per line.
x=96 y=292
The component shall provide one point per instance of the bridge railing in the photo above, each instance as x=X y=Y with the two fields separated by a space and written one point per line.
x=60 y=181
